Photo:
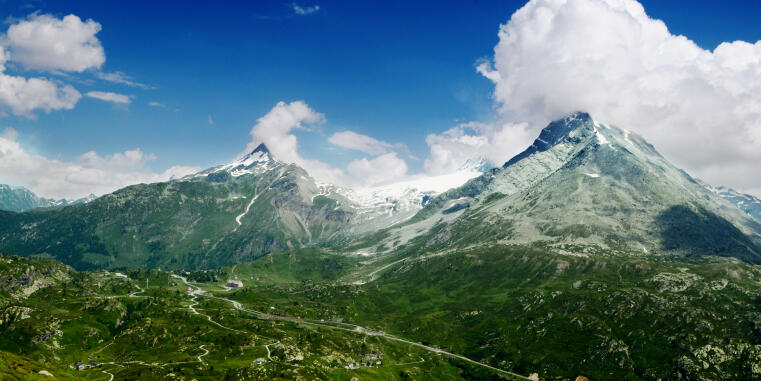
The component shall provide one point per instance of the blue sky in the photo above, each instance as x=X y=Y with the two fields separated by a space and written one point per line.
x=387 y=70
x=393 y=70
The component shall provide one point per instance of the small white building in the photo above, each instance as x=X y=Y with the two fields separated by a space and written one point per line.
x=234 y=283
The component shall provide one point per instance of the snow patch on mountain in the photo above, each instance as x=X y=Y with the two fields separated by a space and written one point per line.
x=258 y=161
x=601 y=139
x=749 y=204
x=381 y=206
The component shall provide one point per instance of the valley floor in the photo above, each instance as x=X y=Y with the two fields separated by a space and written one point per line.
x=491 y=313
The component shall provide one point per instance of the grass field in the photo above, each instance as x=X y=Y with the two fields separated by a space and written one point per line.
x=517 y=309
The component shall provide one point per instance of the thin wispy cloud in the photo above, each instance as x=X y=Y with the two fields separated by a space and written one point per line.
x=122 y=79
x=110 y=97
x=156 y=104
x=304 y=10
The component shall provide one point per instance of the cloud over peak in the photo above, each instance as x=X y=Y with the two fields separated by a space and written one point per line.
x=275 y=130
x=700 y=108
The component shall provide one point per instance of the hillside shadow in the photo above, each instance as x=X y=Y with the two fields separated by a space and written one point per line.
x=701 y=232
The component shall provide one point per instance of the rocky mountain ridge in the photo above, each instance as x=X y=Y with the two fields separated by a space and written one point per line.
x=583 y=187
x=19 y=199
x=749 y=204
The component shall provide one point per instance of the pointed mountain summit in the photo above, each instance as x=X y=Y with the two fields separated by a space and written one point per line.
x=260 y=154
x=258 y=161
x=582 y=187
x=261 y=148
x=570 y=129
x=588 y=187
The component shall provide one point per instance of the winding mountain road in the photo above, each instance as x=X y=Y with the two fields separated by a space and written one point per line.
x=199 y=356
x=351 y=328
x=196 y=292
x=110 y=374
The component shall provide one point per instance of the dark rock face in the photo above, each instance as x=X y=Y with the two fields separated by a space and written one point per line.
x=219 y=177
x=554 y=133
x=696 y=231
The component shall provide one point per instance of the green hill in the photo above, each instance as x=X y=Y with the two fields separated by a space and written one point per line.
x=204 y=221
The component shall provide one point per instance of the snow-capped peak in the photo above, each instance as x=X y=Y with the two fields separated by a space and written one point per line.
x=481 y=164
x=260 y=154
x=557 y=132
x=749 y=204
x=259 y=160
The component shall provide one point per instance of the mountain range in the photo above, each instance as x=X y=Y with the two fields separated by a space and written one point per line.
x=749 y=204
x=19 y=199
x=582 y=186
x=586 y=256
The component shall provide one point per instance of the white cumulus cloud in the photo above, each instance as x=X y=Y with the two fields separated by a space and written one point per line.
x=87 y=173
x=274 y=129
x=378 y=170
x=23 y=95
x=700 y=108
x=359 y=142
x=496 y=143
x=110 y=97
x=44 y=42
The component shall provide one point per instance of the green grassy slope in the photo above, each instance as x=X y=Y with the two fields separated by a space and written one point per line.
x=520 y=309
x=153 y=334
x=18 y=368
x=528 y=310
x=182 y=224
